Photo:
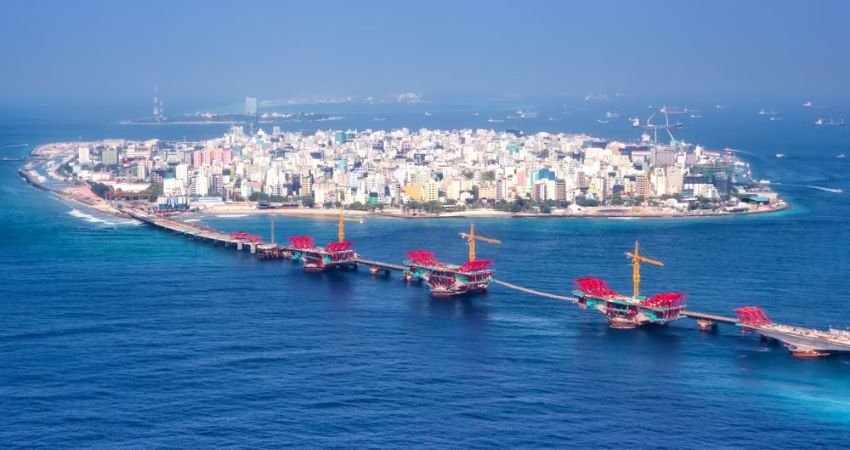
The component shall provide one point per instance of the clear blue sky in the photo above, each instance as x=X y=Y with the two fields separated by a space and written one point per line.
x=214 y=51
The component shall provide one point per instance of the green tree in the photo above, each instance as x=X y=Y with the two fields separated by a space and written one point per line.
x=518 y=205
x=100 y=189
x=308 y=201
x=588 y=202
x=433 y=207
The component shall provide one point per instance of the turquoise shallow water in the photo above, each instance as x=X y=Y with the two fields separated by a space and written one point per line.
x=115 y=335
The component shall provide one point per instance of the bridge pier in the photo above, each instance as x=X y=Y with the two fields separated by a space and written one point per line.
x=239 y=246
x=253 y=248
x=707 y=325
x=375 y=271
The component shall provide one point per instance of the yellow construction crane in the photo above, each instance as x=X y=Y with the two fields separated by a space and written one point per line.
x=471 y=237
x=636 y=260
x=341 y=219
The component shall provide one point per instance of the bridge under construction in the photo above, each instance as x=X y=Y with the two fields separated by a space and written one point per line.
x=444 y=280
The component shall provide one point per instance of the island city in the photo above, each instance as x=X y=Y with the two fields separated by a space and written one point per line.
x=404 y=173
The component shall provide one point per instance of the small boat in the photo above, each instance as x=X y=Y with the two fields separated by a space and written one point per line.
x=808 y=104
x=819 y=122
x=780 y=155
x=428 y=114
x=840 y=156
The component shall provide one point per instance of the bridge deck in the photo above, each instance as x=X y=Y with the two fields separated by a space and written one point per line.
x=534 y=292
x=381 y=264
x=712 y=317
x=207 y=233
x=180 y=227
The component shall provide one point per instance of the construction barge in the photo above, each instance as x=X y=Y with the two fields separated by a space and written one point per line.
x=475 y=276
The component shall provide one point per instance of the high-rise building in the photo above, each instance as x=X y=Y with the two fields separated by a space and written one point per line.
x=561 y=190
x=431 y=191
x=109 y=156
x=641 y=186
x=201 y=185
x=181 y=172
x=252 y=113
x=158 y=108
x=84 y=155
x=250 y=106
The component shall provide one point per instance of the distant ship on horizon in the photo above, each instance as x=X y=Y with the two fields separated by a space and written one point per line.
x=526 y=114
x=831 y=123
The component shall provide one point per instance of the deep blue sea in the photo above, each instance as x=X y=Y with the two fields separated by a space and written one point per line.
x=115 y=335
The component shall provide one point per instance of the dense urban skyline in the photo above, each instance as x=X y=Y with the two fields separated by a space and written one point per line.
x=218 y=51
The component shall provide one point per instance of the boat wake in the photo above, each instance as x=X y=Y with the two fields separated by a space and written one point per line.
x=14 y=145
x=826 y=189
x=812 y=186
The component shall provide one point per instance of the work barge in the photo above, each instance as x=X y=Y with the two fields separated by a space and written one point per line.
x=475 y=276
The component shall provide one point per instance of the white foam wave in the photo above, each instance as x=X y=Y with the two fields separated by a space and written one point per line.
x=88 y=217
x=231 y=216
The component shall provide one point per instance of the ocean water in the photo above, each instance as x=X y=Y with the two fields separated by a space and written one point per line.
x=115 y=335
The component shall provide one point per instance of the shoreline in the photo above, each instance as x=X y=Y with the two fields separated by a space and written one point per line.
x=473 y=214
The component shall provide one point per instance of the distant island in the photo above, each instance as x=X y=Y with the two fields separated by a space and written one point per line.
x=232 y=118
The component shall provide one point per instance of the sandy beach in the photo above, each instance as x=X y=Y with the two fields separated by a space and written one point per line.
x=587 y=213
